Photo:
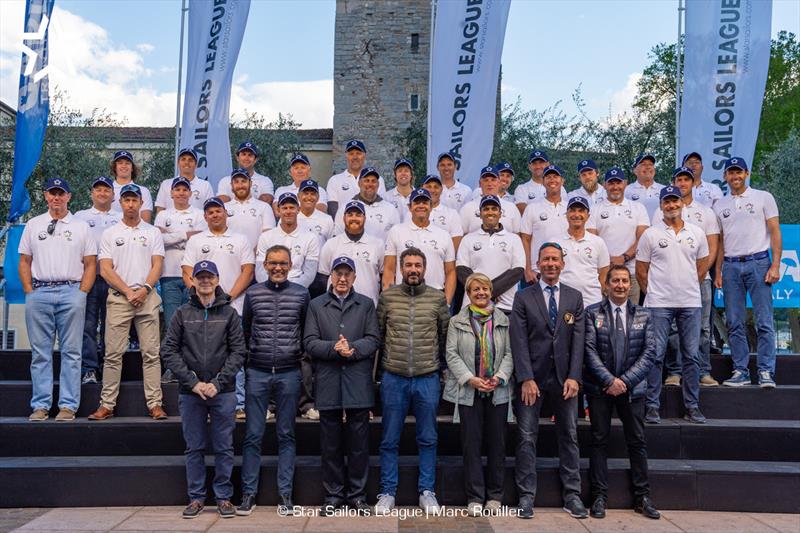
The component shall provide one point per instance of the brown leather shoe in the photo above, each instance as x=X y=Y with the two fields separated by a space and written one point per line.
x=102 y=413
x=157 y=413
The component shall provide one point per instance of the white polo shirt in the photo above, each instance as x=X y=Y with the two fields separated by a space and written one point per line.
x=743 y=220
x=434 y=242
x=446 y=218
x=492 y=254
x=57 y=257
x=292 y=188
x=456 y=196
x=366 y=253
x=699 y=215
x=470 y=215
x=583 y=259
x=304 y=247
x=250 y=218
x=131 y=250
x=343 y=186
x=399 y=201
x=672 y=277
x=616 y=224
x=707 y=193
x=649 y=197
x=147 y=198
x=201 y=191
x=177 y=223
x=318 y=224
x=98 y=221
x=381 y=216
x=594 y=198
x=544 y=221
x=229 y=251
x=258 y=185
x=530 y=191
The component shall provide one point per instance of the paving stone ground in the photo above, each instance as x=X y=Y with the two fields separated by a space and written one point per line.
x=405 y=520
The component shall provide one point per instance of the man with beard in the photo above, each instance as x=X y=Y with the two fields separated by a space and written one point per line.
x=645 y=190
x=381 y=215
x=247 y=215
x=589 y=189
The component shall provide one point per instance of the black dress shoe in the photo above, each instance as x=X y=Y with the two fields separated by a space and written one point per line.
x=645 y=506
x=361 y=506
x=599 y=507
x=247 y=505
x=525 y=509
x=330 y=506
x=285 y=501
x=575 y=508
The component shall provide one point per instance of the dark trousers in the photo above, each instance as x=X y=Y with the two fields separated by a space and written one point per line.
x=565 y=412
x=631 y=414
x=94 y=348
x=306 y=400
x=196 y=431
x=337 y=439
x=483 y=422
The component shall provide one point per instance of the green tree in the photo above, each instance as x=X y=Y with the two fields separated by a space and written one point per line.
x=276 y=141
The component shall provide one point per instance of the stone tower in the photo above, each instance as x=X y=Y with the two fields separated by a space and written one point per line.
x=380 y=74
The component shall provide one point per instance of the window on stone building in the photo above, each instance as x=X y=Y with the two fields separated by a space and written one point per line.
x=413 y=102
x=415 y=43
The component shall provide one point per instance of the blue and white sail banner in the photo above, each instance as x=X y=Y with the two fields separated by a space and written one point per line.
x=465 y=66
x=726 y=60
x=216 y=28
x=33 y=106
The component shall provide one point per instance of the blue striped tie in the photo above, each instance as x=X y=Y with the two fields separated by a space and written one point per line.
x=552 y=306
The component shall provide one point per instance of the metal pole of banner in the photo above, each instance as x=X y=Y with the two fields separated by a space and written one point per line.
x=678 y=57
x=3 y=284
x=184 y=9
x=430 y=76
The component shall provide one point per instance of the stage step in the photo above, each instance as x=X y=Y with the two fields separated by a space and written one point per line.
x=160 y=480
x=744 y=440
x=753 y=402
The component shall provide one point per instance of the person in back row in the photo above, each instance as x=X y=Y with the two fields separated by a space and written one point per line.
x=201 y=189
x=343 y=186
x=261 y=186
x=124 y=171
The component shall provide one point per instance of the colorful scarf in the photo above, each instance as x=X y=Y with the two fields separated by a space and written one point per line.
x=482 y=326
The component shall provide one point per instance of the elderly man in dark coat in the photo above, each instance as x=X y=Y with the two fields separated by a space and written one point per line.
x=341 y=335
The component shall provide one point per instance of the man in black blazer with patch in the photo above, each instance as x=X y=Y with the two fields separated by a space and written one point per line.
x=547 y=341
x=620 y=351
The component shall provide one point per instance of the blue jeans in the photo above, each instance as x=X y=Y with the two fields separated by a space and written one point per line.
x=173 y=295
x=284 y=388
x=194 y=415
x=739 y=279
x=93 y=348
x=673 y=364
x=51 y=311
x=688 y=323
x=397 y=393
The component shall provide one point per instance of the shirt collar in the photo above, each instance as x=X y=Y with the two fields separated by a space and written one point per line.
x=744 y=194
x=414 y=227
x=542 y=284
x=227 y=233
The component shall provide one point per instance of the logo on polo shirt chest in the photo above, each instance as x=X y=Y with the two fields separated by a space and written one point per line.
x=409 y=244
x=318 y=229
x=433 y=244
x=604 y=215
x=229 y=212
x=252 y=212
x=196 y=193
x=205 y=249
x=68 y=235
x=364 y=256
x=442 y=220
x=531 y=196
x=378 y=217
x=91 y=223
x=628 y=213
x=690 y=241
x=230 y=248
x=663 y=243
x=749 y=209
x=543 y=216
x=143 y=239
x=42 y=235
x=296 y=250
x=477 y=246
x=726 y=213
x=635 y=196
x=119 y=241
x=167 y=223
x=698 y=216
x=502 y=245
x=457 y=196
x=345 y=186
x=588 y=252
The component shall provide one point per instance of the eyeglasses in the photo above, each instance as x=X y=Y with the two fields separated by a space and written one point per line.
x=273 y=264
x=52 y=226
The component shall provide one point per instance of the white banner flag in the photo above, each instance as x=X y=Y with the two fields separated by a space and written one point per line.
x=465 y=66
x=727 y=57
x=216 y=28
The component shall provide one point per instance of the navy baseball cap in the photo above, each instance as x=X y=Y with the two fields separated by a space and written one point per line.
x=57 y=183
x=299 y=158
x=489 y=171
x=130 y=188
x=240 y=172
x=355 y=205
x=537 y=154
x=180 y=180
x=614 y=173
x=448 y=155
x=431 y=177
x=103 y=180
x=369 y=171
x=416 y=194
x=205 y=266
x=682 y=170
x=308 y=184
x=489 y=199
x=189 y=151
x=122 y=154
x=669 y=192
x=288 y=197
x=214 y=201
x=578 y=201
x=586 y=164
x=343 y=261
x=642 y=157
x=505 y=166
x=552 y=169
x=691 y=154
x=355 y=144
x=736 y=162
x=247 y=145
x=403 y=161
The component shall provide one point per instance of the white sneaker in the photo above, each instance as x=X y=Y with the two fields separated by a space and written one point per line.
x=385 y=504
x=475 y=509
x=428 y=503
x=311 y=414
x=493 y=506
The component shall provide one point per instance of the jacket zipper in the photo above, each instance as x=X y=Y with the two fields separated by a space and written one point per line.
x=411 y=336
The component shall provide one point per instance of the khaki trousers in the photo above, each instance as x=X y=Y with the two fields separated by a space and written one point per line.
x=119 y=315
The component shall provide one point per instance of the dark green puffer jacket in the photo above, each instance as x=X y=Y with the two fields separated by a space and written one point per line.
x=413 y=322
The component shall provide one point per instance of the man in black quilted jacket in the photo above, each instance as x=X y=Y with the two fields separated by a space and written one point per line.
x=273 y=317
x=620 y=350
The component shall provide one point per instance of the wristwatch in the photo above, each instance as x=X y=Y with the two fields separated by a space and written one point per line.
x=148 y=288
x=626 y=257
